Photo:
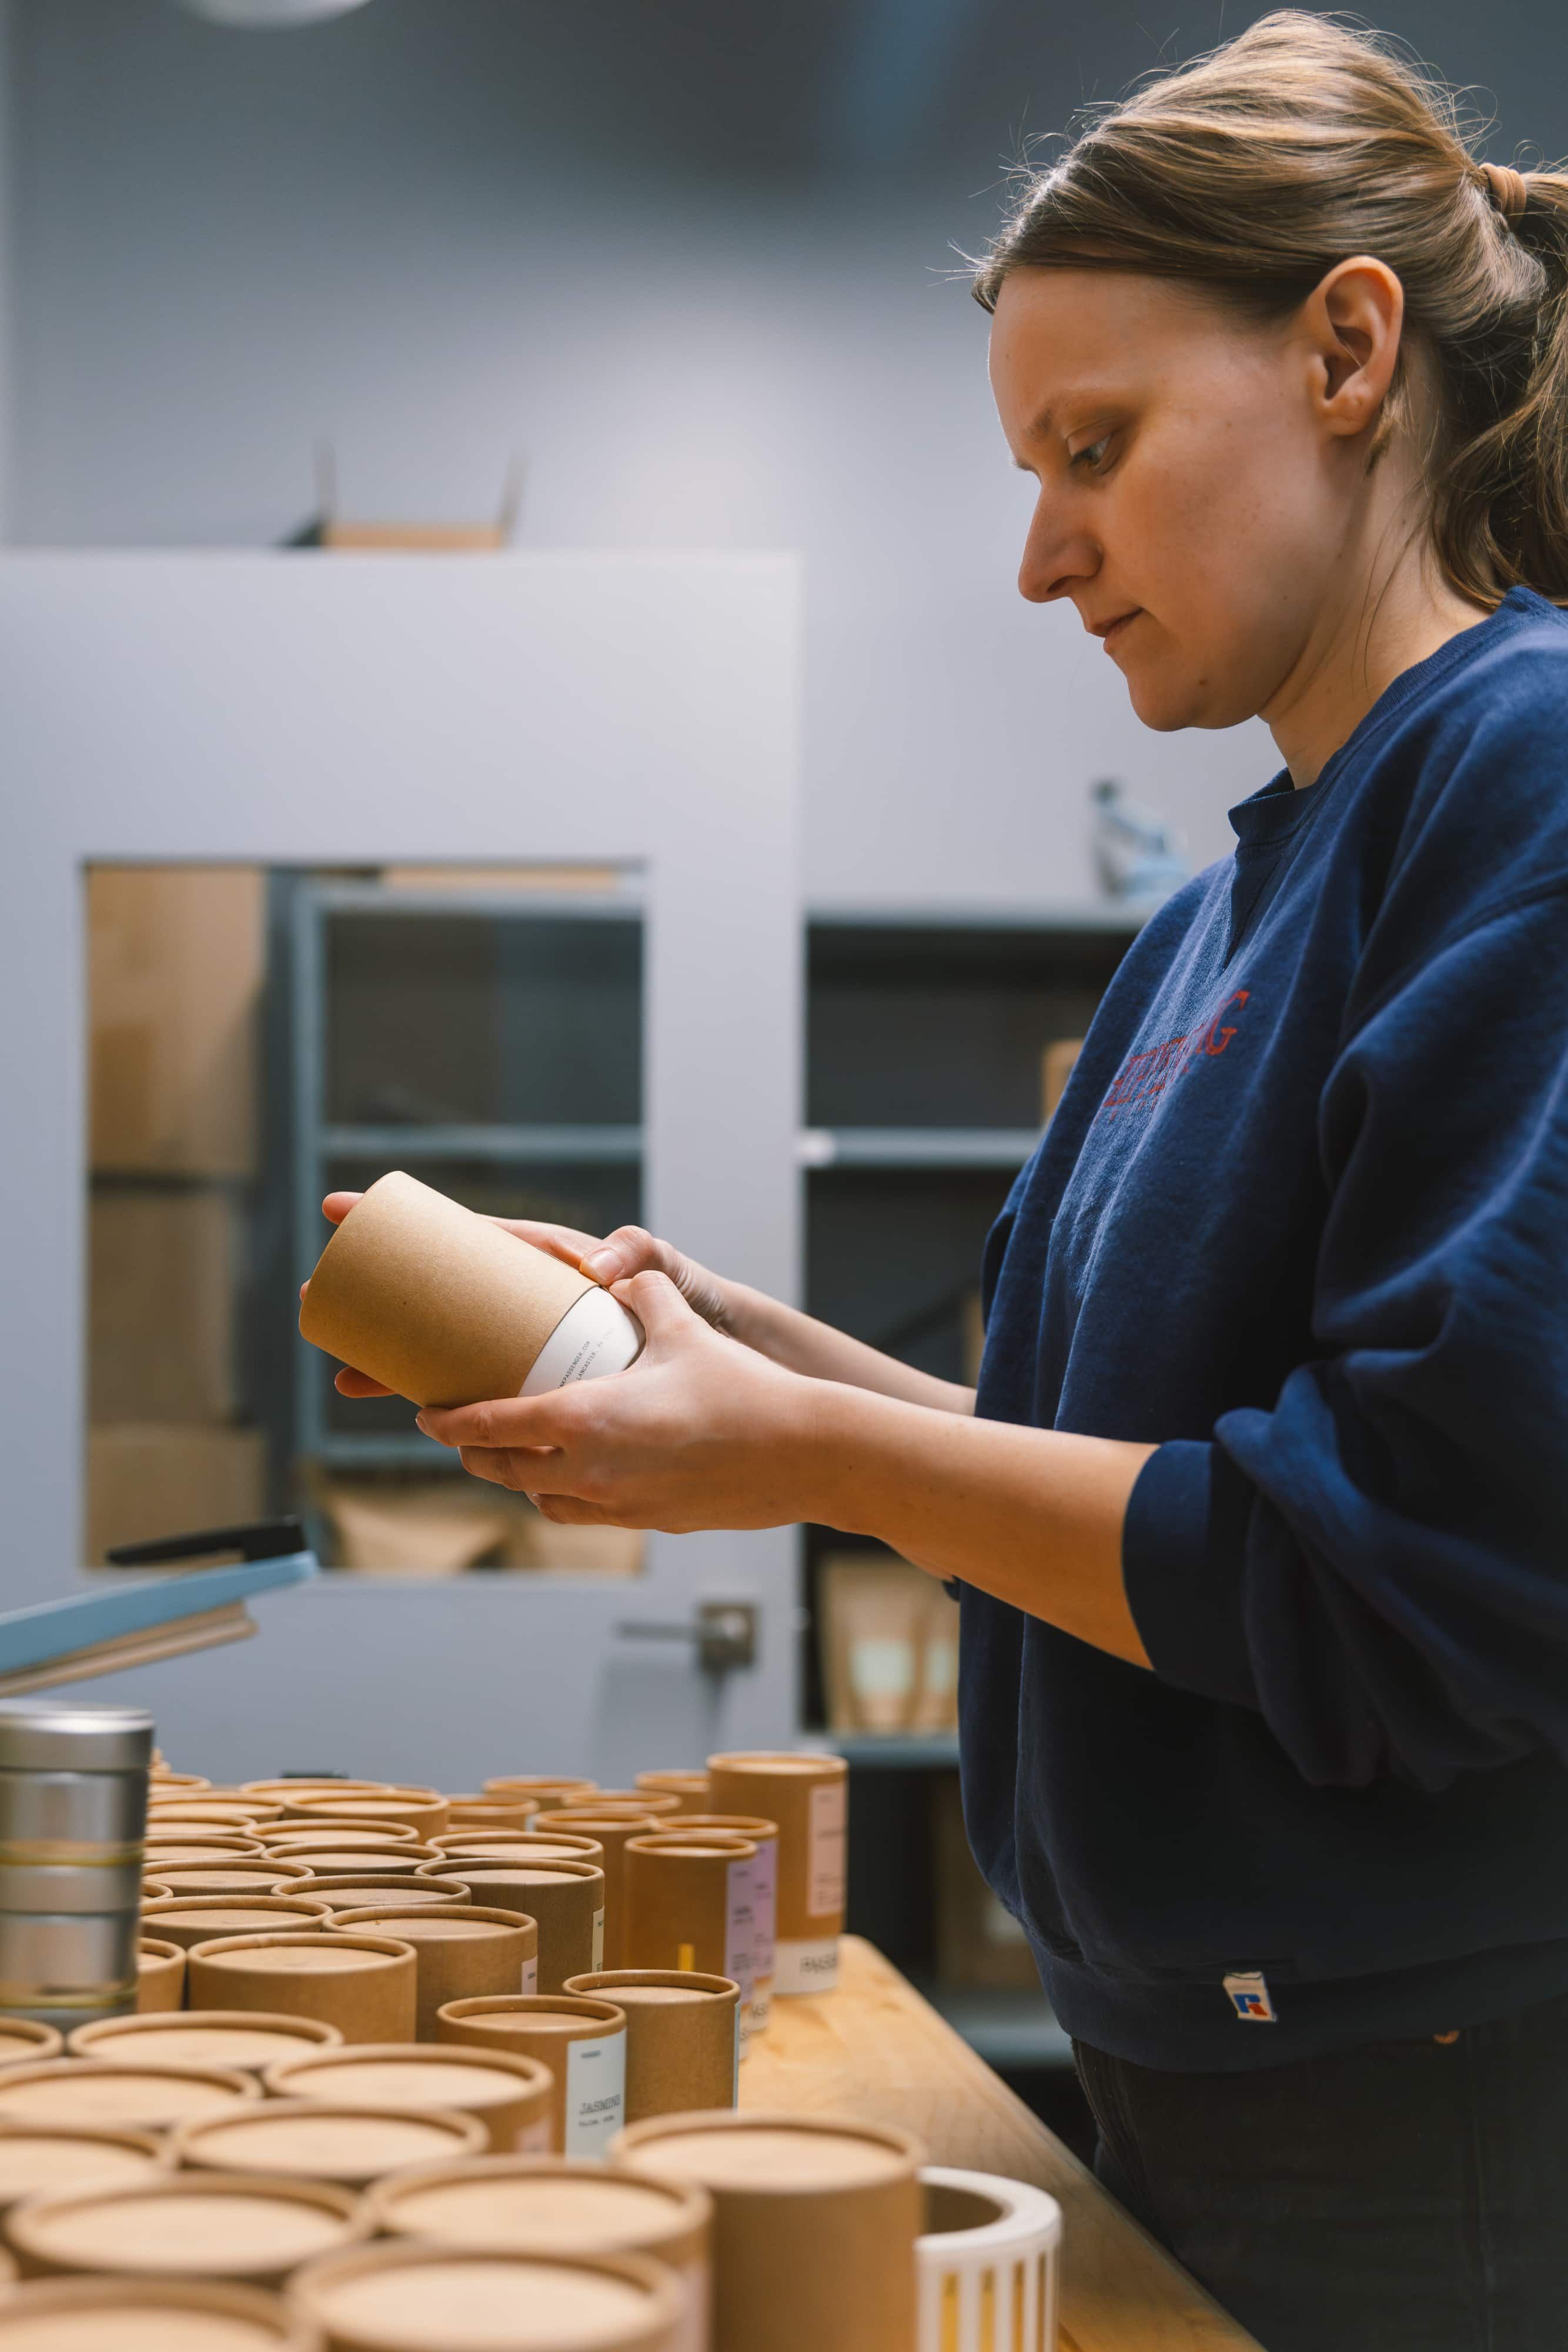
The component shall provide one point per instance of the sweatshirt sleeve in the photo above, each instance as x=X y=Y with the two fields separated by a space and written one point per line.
x=1379 y=1563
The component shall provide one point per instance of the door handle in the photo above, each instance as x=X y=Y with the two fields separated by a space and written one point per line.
x=725 y=1633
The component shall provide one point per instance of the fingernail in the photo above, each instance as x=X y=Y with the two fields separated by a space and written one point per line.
x=604 y=1266
x=419 y=1425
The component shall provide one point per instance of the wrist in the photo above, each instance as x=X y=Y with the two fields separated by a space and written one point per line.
x=835 y=1444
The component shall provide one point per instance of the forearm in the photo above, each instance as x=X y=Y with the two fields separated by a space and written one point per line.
x=1032 y=1516
x=803 y=1345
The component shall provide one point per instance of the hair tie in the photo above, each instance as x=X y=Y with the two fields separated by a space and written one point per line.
x=1509 y=189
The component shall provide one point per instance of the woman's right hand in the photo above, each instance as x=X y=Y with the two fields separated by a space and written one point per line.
x=627 y=1251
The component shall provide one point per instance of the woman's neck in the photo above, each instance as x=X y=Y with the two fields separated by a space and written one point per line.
x=1386 y=623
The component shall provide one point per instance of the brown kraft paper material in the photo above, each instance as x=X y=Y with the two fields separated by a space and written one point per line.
x=683 y=2037
x=612 y=1830
x=509 y=2093
x=807 y=1795
x=459 y=1948
x=564 y=1896
x=364 y=1985
x=581 y=2041
x=437 y=1303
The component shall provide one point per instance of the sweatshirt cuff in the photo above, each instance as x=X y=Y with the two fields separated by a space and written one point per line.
x=1184 y=1547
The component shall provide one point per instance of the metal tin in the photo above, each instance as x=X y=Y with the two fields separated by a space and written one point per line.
x=70 y=1739
x=71 y=1811
x=69 y=1954
x=70 y=1886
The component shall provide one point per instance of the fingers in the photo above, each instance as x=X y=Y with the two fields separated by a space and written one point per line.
x=557 y=1241
x=658 y=1306
x=627 y=1251
x=337 y=1205
x=542 y=1421
x=351 y=1383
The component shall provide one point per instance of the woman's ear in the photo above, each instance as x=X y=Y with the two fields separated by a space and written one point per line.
x=1353 y=319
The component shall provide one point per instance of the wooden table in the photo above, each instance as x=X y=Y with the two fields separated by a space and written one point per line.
x=875 y=2050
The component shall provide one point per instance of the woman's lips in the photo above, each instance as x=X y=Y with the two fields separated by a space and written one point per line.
x=1111 y=635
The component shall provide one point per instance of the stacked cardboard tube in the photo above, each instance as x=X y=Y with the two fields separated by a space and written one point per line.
x=418 y=2063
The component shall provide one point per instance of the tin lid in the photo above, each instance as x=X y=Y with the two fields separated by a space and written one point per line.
x=197 y=2223
x=566 y=2204
x=75 y=1738
x=122 y=2314
x=420 y=2298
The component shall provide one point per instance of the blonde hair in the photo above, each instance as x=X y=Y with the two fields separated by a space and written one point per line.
x=1256 y=169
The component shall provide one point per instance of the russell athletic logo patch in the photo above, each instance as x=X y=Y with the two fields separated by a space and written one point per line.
x=1249 y=1997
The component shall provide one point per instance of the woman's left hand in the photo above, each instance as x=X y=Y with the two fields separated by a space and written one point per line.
x=700 y=1433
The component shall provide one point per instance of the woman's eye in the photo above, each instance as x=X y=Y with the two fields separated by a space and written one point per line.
x=1092 y=457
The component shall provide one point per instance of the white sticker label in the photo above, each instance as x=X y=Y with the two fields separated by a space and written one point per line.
x=764 y=1908
x=827 y=1824
x=533 y=2138
x=735 y=2070
x=597 y=1943
x=530 y=1982
x=807 y=1966
x=739 y=1930
x=595 y=2093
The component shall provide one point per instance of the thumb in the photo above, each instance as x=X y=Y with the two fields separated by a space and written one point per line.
x=658 y=1306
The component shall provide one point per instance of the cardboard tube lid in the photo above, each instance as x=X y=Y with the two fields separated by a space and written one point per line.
x=285 y=1790
x=530 y=1870
x=571 y=2205
x=503 y=1843
x=438 y=1303
x=37 y=2158
x=319 y=2139
x=535 y=1784
x=219 y=1915
x=763 y=2154
x=572 y=2014
x=653 y=1988
x=139 y=2092
x=21 y=2040
x=304 y=1837
x=243 y=1876
x=410 y=2074
x=242 y=2040
x=125 y=2314
x=435 y=1922
x=187 y=2222
x=787 y=1764
x=413 y=2297
x=347 y=1861
x=329 y=1952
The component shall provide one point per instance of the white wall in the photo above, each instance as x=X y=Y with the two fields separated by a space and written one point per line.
x=230 y=245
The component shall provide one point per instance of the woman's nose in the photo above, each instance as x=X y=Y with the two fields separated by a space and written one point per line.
x=1056 y=555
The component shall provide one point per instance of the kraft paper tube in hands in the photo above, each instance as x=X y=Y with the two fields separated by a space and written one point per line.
x=444 y=1308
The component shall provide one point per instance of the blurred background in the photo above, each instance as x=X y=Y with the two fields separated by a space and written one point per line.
x=439 y=279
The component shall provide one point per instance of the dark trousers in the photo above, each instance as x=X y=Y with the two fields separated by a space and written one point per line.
x=1407 y=2197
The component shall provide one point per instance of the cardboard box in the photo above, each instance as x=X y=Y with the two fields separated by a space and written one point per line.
x=176 y=957
x=890 y=1637
x=151 y=1478
x=161 y=1306
x=1056 y=1068
x=977 y=1942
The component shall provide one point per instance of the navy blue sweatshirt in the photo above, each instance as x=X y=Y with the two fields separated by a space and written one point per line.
x=1300 y=1221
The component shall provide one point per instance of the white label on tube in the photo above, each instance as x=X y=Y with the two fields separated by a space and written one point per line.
x=693 y=2335
x=735 y=2070
x=595 y=1336
x=807 y=1966
x=764 y=1907
x=826 y=1822
x=597 y=1943
x=533 y=2138
x=739 y=1929
x=595 y=2092
x=530 y=1982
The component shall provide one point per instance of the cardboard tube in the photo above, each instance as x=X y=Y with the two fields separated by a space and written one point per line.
x=508 y=2092
x=364 y=1985
x=22 y=2041
x=64 y=2314
x=137 y=2093
x=688 y=1905
x=563 y=1895
x=764 y=1837
x=36 y=2159
x=689 y=1789
x=509 y=1845
x=459 y=1948
x=240 y=2040
x=446 y=1309
x=247 y=1873
x=298 y=1840
x=186 y=1845
x=392 y=1864
x=513 y=1812
x=316 y=2140
x=612 y=1830
x=808 y=1796
x=247 y=2228
x=683 y=2037
x=423 y=1811
x=558 y=2204
x=160 y=1975
x=815 y=2221
x=583 y=2041
x=200 y=1919
x=408 y=2296
x=653 y=1803
x=545 y=1791
x=305 y=1786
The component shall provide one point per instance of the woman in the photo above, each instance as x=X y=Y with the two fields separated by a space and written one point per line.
x=1259 y=1515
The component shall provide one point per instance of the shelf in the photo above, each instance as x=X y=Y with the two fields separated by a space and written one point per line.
x=931 y=1751
x=1124 y=922
x=1010 y=2030
x=915 y=1147
x=507 y=1145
